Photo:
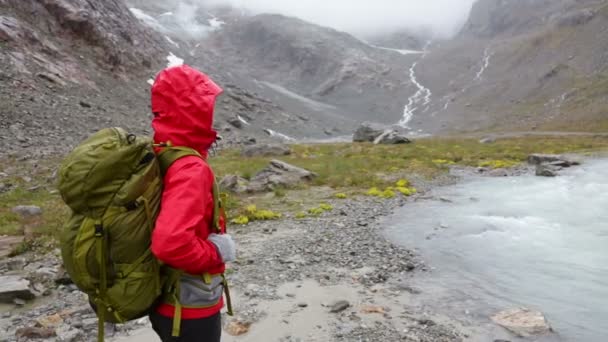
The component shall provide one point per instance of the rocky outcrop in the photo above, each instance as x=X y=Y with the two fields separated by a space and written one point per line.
x=14 y=287
x=390 y=137
x=279 y=173
x=548 y=165
x=547 y=170
x=536 y=159
x=266 y=150
x=378 y=134
x=523 y=322
x=234 y=184
x=368 y=132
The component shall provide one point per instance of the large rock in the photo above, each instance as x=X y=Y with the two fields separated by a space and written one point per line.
x=234 y=184
x=27 y=211
x=12 y=287
x=547 y=170
x=236 y=122
x=537 y=159
x=523 y=322
x=390 y=137
x=368 y=132
x=265 y=150
x=279 y=173
x=8 y=244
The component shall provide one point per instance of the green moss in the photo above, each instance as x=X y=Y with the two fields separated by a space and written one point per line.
x=316 y=211
x=326 y=206
x=499 y=164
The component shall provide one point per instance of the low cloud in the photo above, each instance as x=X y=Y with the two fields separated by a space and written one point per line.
x=365 y=18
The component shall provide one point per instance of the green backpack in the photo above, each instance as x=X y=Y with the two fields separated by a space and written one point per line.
x=113 y=184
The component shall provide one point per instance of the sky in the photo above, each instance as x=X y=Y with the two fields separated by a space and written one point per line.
x=365 y=18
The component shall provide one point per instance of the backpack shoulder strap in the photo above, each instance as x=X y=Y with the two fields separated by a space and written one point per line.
x=170 y=154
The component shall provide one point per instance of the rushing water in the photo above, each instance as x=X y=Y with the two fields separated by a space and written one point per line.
x=497 y=243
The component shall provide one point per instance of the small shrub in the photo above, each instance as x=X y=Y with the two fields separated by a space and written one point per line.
x=443 y=162
x=498 y=164
x=407 y=191
x=300 y=215
x=374 y=192
x=279 y=192
x=402 y=183
x=241 y=220
x=388 y=193
x=340 y=195
x=326 y=206
x=316 y=211
x=252 y=213
x=404 y=191
x=265 y=215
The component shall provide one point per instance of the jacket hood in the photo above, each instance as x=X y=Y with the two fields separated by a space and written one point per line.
x=183 y=100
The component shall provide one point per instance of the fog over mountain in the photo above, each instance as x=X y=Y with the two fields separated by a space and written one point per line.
x=363 y=18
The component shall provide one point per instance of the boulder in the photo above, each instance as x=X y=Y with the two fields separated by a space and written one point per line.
x=368 y=132
x=12 y=287
x=523 y=322
x=234 y=184
x=236 y=123
x=547 y=170
x=339 y=306
x=279 y=173
x=498 y=173
x=8 y=244
x=265 y=150
x=537 y=158
x=390 y=137
x=27 y=211
x=248 y=141
x=30 y=333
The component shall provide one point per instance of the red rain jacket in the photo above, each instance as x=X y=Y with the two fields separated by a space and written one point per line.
x=182 y=102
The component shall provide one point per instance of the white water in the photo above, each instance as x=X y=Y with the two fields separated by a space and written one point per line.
x=526 y=241
x=485 y=62
x=421 y=98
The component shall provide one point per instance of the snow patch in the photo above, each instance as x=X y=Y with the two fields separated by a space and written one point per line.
x=240 y=118
x=141 y=15
x=174 y=61
x=315 y=105
x=172 y=42
x=278 y=135
x=401 y=51
x=216 y=23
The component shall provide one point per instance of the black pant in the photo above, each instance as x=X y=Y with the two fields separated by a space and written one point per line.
x=192 y=330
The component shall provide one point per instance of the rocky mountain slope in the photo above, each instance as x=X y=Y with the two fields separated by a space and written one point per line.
x=60 y=64
x=521 y=65
x=70 y=67
x=327 y=81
